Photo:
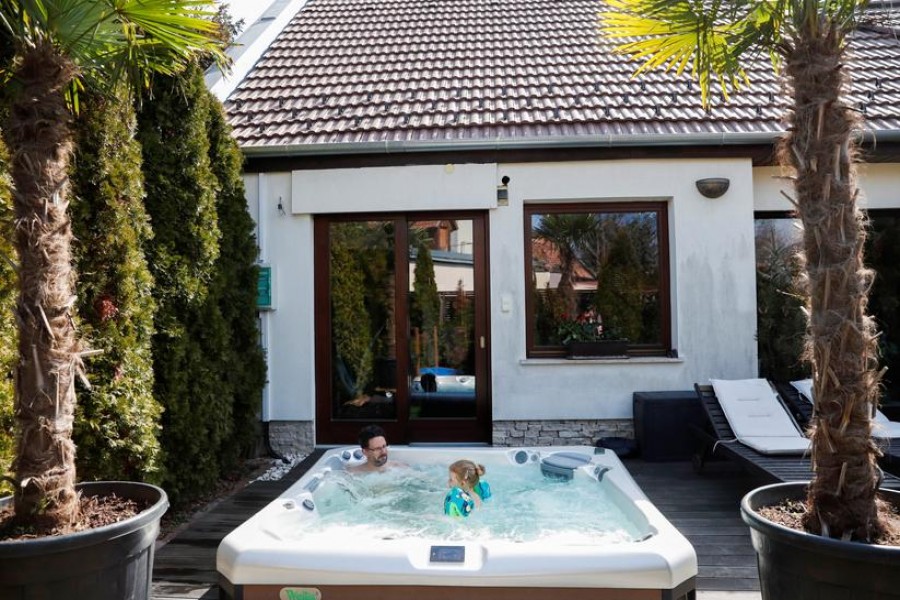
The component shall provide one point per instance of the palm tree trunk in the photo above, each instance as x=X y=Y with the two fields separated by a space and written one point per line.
x=841 y=341
x=40 y=137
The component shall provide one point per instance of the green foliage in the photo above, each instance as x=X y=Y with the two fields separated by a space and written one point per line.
x=780 y=321
x=426 y=305
x=350 y=321
x=618 y=297
x=117 y=419
x=8 y=336
x=549 y=306
x=713 y=40
x=883 y=255
x=112 y=41
x=190 y=328
x=242 y=361
x=458 y=331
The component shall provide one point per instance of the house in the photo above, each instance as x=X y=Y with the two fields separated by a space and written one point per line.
x=408 y=162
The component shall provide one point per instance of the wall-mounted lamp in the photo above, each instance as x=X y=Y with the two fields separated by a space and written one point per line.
x=713 y=187
x=503 y=192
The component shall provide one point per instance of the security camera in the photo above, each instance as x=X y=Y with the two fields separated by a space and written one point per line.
x=504 y=180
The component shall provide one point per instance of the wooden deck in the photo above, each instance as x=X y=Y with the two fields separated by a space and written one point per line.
x=703 y=507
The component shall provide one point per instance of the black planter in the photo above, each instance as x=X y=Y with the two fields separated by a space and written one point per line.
x=114 y=562
x=598 y=349
x=797 y=566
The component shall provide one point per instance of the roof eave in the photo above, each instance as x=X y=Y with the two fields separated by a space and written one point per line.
x=497 y=144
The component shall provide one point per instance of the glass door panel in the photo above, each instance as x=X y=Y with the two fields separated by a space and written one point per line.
x=401 y=322
x=363 y=331
x=441 y=319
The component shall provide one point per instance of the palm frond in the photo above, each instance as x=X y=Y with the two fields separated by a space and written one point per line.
x=709 y=37
x=111 y=40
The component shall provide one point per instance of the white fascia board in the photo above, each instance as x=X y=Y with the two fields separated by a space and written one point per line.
x=250 y=46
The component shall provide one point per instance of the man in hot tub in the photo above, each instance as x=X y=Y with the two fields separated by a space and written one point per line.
x=375 y=448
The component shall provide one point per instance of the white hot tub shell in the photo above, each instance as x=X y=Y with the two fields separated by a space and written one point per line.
x=255 y=562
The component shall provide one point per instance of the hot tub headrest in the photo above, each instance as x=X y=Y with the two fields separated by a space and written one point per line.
x=562 y=465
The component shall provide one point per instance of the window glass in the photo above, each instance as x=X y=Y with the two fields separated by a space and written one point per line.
x=781 y=324
x=780 y=321
x=597 y=272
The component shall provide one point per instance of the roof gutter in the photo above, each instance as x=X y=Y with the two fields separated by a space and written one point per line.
x=536 y=143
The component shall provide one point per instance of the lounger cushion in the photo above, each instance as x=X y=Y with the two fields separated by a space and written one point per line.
x=757 y=417
x=884 y=427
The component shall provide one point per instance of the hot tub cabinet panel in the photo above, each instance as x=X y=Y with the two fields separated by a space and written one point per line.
x=256 y=561
x=685 y=591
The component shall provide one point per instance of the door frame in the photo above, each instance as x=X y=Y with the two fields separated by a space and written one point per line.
x=402 y=430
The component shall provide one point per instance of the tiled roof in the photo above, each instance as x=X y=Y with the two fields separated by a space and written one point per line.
x=432 y=71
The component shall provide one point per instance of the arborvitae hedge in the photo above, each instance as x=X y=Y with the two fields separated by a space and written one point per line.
x=117 y=419
x=350 y=320
x=8 y=337
x=236 y=275
x=190 y=329
x=426 y=305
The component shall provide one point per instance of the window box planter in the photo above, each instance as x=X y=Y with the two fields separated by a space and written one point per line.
x=597 y=349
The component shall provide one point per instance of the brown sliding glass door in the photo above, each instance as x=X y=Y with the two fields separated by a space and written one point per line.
x=401 y=327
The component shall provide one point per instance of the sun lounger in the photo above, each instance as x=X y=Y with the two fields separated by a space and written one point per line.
x=884 y=427
x=717 y=439
x=758 y=418
x=797 y=396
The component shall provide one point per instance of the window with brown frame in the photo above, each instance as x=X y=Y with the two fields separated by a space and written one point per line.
x=597 y=272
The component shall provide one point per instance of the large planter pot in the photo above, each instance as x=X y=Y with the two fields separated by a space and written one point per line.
x=114 y=562
x=598 y=349
x=796 y=565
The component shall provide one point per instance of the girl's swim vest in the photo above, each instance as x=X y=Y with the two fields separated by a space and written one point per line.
x=458 y=503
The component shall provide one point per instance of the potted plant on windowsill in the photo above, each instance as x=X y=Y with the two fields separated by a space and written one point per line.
x=586 y=337
x=52 y=548
x=835 y=551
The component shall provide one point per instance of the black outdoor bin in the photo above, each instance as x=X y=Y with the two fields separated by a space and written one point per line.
x=662 y=424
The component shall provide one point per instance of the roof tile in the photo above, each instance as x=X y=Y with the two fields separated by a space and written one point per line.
x=347 y=71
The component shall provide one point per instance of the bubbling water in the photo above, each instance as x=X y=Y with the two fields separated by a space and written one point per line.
x=525 y=507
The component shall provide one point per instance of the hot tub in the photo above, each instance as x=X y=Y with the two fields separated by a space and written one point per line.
x=284 y=553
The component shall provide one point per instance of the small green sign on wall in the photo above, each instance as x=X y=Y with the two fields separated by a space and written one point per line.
x=264 y=288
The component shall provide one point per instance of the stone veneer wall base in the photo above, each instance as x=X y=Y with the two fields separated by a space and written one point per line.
x=559 y=433
x=298 y=437
x=292 y=437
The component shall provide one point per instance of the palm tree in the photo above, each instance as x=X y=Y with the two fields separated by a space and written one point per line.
x=63 y=46
x=567 y=232
x=808 y=40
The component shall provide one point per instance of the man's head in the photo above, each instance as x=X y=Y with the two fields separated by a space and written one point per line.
x=374 y=445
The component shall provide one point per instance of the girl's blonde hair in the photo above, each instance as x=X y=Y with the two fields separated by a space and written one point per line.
x=467 y=472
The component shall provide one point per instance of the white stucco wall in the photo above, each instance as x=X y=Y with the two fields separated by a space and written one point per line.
x=286 y=244
x=713 y=287
x=712 y=265
x=878 y=182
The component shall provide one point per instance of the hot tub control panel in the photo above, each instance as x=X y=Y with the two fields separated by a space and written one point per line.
x=447 y=554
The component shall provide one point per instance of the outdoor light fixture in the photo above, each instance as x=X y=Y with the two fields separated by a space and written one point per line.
x=503 y=192
x=713 y=187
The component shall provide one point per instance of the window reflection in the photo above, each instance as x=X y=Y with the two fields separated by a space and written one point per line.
x=441 y=318
x=596 y=272
x=362 y=320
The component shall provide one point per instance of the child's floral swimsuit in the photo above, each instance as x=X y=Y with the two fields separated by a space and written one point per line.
x=458 y=503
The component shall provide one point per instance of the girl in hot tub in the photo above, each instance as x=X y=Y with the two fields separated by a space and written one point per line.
x=467 y=490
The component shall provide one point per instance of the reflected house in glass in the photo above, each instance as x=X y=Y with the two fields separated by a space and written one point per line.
x=450 y=196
